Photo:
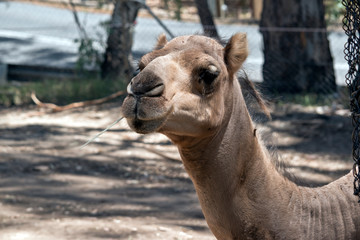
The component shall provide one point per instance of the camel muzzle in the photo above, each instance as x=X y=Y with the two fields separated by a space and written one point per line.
x=145 y=107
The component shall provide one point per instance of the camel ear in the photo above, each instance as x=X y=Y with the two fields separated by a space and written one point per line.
x=161 y=42
x=235 y=52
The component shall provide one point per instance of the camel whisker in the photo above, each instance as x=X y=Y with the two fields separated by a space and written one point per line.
x=102 y=132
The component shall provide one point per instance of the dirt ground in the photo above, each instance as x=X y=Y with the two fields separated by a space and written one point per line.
x=130 y=186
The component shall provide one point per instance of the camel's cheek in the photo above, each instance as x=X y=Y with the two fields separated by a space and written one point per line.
x=192 y=117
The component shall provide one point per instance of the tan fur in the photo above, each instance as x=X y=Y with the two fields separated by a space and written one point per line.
x=188 y=91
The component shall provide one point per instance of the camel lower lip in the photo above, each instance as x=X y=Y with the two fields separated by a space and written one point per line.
x=145 y=126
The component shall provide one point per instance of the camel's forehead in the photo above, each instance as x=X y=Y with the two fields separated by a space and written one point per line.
x=186 y=48
x=198 y=40
x=195 y=43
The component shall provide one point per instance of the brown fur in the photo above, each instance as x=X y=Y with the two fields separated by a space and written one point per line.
x=161 y=42
x=193 y=97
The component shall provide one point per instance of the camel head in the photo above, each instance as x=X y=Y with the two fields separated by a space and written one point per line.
x=184 y=86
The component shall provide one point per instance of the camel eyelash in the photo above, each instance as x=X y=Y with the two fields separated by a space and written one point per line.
x=141 y=66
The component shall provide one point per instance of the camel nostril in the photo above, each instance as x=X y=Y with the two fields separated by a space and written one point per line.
x=155 y=91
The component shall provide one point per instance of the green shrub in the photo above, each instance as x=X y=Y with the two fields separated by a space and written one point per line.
x=60 y=92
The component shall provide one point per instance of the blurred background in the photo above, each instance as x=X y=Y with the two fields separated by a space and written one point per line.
x=296 y=49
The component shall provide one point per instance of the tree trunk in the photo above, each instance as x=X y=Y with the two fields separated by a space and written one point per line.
x=297 y=56
x=257 y=6
x=206 y=19
x=116 y=64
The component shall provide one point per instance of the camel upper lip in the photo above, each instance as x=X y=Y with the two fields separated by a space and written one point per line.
x=144 y=107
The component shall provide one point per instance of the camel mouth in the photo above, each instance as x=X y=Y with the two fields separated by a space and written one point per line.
x=145 y=114
x=145 y=127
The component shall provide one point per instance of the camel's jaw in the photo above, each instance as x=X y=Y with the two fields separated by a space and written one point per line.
x=145 y=114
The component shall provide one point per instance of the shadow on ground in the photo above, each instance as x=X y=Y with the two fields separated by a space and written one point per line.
x=129 y=186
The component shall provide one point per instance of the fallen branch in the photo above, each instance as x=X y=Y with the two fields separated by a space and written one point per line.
x=56 y=108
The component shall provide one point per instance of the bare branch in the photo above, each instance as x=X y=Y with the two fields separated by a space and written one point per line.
x=56 y=108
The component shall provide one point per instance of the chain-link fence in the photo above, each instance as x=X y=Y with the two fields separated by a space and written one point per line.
x=40 y=35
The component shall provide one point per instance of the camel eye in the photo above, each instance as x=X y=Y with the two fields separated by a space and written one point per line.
x=209 y=74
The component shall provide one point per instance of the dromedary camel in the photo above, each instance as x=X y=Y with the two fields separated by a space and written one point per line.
x=187 y=89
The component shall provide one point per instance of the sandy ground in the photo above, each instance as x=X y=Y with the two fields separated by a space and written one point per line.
x=130 y=186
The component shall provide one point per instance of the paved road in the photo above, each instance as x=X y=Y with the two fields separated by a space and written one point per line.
x=38 y=35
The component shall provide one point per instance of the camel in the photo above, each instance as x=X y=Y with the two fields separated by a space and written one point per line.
x=187 y=90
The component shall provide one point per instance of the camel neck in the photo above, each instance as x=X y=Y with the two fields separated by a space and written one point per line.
x=232 y=154
x=232 y=170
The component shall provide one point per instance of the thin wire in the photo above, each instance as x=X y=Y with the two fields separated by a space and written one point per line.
x=292 y=29
x=100 y=133
x=351 y=23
